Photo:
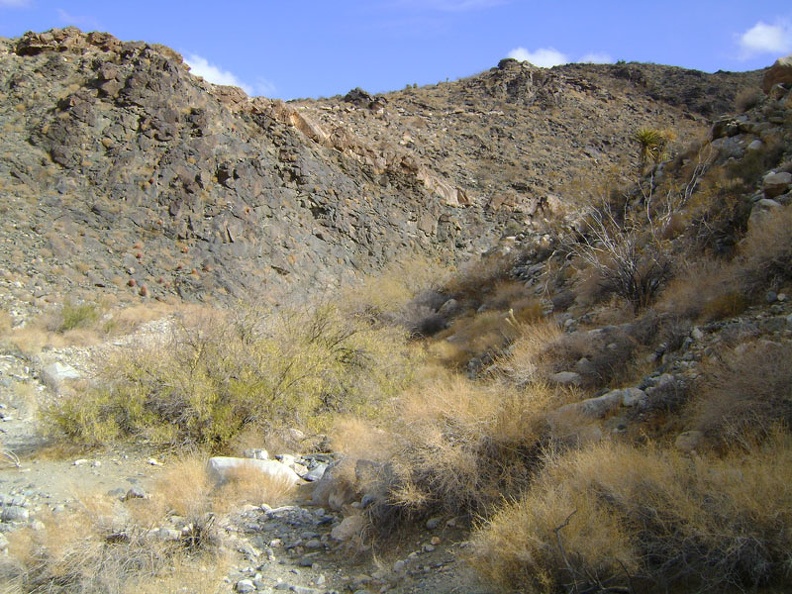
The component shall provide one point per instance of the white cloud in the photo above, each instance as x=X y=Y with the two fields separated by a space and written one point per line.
x=14 y=3
x=596 y=58
x=200 y=66
x=766 y=39
x=545 y=57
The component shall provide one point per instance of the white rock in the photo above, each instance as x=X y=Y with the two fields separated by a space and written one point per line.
x=55 y=374
x=221 y=468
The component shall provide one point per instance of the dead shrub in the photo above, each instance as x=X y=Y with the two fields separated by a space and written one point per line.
x=615 y=518
x=745 y=394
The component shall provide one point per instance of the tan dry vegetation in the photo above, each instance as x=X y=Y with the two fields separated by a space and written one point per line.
x=389 y=292
x=460 y=446
x=521 y=362
x=83 y=550
x=744 y=394
x=647 y=520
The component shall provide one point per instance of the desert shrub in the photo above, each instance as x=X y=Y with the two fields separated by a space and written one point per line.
x=479 y=338
x=616 y=518
x=706 y=289
x=521 y=363
x=748 y=98
x=765 y=256
x=89 y=548
x=726 y=305
x=459 y=447
x=387 y=295
x=624 y=260
x=213 y=378
x=102 y=545
x=476 y=282
x=77 y=315
x=745 y=394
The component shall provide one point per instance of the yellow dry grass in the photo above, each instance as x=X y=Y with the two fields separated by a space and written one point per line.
x=647 y=519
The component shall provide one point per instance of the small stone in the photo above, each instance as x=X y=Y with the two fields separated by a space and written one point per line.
x=399 y=566
x=435 y=540
x=771 y=296
x=567 y=378
x=245 y=586
x=432 y=523
x=14 y=514
x=80 y=462
x=348 y=528
x=135 y=492
x=428 y=548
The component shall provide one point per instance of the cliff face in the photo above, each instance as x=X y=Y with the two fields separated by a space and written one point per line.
x=119 y=169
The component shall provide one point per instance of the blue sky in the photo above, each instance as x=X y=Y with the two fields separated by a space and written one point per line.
x=320 y=48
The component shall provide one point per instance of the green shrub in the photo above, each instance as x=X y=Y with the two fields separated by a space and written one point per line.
x=77 y=315
x=216 y=376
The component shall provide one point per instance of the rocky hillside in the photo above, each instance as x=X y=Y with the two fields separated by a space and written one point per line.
x=122 y=173
x=600 y=402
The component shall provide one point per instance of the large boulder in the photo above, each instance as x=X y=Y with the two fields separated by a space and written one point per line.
x=779 y=73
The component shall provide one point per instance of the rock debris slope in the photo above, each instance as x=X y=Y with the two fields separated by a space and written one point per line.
x=123 y=173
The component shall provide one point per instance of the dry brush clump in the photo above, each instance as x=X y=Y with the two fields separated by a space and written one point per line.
x=710 y=289
x=162 y=542
x=460 y=448
x=745 y=394
x=217 y=375
x=617 y=518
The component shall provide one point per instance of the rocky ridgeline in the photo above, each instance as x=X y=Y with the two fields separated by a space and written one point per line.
x=123 y=173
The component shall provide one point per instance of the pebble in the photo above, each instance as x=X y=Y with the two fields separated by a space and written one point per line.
x=432 y=523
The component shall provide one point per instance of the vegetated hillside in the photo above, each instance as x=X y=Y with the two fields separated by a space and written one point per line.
x=122 y=171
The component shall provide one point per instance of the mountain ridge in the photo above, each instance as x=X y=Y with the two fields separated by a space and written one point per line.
x=110 y=145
